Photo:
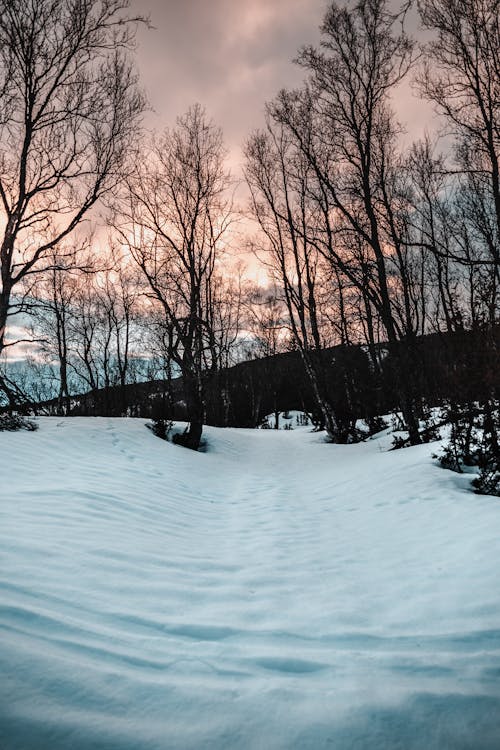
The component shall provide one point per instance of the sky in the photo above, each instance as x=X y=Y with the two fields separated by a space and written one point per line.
x=232 y=56
x=229 y=56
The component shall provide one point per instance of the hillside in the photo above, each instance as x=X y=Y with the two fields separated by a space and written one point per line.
x=271 y=592
x=447 y=366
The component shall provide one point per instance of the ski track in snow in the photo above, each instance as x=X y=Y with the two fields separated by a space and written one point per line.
x=273 y=592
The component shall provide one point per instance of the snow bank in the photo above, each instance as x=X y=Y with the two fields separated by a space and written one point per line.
x=273 y=592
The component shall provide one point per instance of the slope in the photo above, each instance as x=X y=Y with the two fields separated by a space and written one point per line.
x=272 y=592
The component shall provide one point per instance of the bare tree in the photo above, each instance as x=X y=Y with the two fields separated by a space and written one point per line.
x=343 y=124
x=279 y=178
x=89 y=338
x=225 y=311
x=122 y=290
x=173 y=219
x=69 y=106
x=266 y=320
x=461 y=76
x=52 y=297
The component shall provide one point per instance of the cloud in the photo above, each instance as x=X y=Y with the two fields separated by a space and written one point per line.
x=231 y=57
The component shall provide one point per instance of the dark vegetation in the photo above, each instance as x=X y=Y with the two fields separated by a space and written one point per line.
x=448 y=364
x=15 y=422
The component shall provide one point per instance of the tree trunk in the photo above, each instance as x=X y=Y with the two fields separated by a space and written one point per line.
x=191 y=437
x=4 y=311
x=63 y=402
x=326 y=409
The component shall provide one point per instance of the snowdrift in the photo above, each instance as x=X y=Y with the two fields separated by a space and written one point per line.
x=272 y=592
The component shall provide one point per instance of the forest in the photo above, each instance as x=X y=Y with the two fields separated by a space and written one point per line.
x=128 y=257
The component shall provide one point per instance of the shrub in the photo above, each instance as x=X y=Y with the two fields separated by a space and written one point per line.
x=161 y=428
x=463 y=445
x=474 y=441
x=15 y=422
x=399 y=442
x=488 y=481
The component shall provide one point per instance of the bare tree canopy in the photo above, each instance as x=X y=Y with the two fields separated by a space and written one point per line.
x=69 y=108
x=174 y=218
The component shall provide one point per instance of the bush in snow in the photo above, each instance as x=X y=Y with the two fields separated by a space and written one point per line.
x=430 y=424
x=474 y=442
x=463 y=447
x=14 y=422
x=161 y=425
x=488 y=481
x=428 y=429
x=398 y=441
x=161 y=428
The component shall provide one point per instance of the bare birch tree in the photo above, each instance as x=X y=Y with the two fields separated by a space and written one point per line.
x=173 y=219
x=69 y=106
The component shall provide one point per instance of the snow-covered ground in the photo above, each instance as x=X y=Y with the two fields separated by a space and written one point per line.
x=273 y=592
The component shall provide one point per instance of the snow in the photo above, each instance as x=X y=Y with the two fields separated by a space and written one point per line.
x=273 y=592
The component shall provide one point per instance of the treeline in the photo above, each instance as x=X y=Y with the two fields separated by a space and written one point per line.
x=244 y=394
x=371 y=240
x=366 y=239
x=368 y=245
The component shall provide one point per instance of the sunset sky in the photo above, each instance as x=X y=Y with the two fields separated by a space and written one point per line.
x=232 y=57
